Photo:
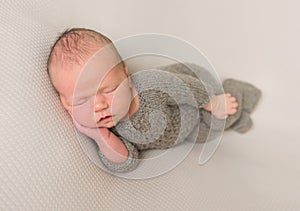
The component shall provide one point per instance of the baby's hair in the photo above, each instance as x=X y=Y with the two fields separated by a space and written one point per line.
x=74 y=45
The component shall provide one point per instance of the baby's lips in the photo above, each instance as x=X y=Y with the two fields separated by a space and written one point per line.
x=104 y=117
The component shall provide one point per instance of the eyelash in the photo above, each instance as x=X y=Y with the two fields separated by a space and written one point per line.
x=80 y=103
x=110 y=91
x=83 y=101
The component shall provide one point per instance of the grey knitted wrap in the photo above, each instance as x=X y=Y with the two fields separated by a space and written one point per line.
x=141 y=128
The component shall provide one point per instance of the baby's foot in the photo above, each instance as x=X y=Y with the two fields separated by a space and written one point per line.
x=217 y=105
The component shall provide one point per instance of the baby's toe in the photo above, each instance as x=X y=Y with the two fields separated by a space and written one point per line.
x=232 y=111
x=232 y=99
x=235 y=105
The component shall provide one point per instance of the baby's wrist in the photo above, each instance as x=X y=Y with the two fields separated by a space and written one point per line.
x=105 y=132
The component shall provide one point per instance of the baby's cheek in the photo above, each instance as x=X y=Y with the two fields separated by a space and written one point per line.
x=84 y=115
x=120 y=102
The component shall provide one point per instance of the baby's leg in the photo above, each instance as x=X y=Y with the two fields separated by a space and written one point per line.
x=247 y=97
x=243 y=124
x=204 y=131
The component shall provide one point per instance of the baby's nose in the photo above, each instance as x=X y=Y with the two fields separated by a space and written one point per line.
x=100 y=104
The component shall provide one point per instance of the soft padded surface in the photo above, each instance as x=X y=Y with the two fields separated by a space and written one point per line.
x=42 y=164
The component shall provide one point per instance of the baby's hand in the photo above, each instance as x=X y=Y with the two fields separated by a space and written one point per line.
x=115 y=151
x=110 y=145
x=218 y=108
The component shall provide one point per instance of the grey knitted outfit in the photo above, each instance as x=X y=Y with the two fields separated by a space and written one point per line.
x=166 y=118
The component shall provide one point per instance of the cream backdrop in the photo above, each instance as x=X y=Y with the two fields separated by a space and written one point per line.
x=43 y=166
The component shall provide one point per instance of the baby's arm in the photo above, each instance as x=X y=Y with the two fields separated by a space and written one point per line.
x=114 y=149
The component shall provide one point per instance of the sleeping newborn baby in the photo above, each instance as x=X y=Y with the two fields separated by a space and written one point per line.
x=124 y=107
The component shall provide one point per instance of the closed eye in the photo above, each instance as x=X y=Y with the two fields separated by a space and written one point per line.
x=110 y=90
x=81 y=102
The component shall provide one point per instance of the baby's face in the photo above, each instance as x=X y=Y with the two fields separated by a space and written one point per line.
x=107 y=106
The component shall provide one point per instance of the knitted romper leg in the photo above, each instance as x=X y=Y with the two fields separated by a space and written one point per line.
x=247 y=96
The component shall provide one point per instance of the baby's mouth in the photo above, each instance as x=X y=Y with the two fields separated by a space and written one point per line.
x=106 y=118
